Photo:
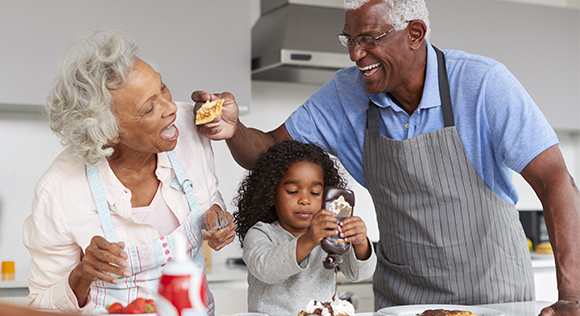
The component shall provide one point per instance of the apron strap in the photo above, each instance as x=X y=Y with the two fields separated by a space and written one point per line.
x=373 y=113
x=373 y=123
x=186 y=185
x=101 y=202
x=444 y=90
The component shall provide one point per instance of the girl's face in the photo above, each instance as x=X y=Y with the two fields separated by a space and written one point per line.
x=299 y=196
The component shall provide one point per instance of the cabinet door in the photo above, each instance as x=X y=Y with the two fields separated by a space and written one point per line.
x=194 y=44
x=539 y=44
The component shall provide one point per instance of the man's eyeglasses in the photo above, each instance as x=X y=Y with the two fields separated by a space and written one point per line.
x=365 y=41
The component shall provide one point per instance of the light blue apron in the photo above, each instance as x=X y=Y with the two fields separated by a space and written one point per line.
x=146 y=262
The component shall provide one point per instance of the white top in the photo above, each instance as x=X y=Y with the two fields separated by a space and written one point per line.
x=64 y=215
x=157 y=214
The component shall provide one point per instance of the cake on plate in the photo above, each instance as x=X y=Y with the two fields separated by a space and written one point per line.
x=334 y=308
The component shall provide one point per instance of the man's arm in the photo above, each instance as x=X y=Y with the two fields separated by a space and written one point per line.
x=248 y=143
x=245 y=144
x=560 y=197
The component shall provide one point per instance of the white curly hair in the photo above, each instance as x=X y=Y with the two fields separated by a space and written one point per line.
x=79 y=103
x=399 y=12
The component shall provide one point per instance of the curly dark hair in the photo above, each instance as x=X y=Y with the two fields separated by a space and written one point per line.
x=257 y=190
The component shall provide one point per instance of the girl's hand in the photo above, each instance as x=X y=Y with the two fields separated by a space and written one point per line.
x=353 y=229
x=323 y=224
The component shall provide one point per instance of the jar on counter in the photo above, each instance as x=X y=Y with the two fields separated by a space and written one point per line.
x=7 y=270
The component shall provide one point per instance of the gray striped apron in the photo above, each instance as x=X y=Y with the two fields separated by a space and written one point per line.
x=445 y=237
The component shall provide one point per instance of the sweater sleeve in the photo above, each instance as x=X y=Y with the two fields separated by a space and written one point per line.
x=358 y=270
x=267 y=260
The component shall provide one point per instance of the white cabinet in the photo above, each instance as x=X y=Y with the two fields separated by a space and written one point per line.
x=195 y=44
x=539 y=44
x=545 y=278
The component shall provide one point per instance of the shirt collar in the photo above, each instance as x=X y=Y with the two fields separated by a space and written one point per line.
x=115 y=191
x=430 y=96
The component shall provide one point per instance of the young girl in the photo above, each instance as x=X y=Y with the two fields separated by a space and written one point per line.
x=280 y=225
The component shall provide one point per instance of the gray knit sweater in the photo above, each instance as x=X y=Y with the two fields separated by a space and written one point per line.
x=279 y=286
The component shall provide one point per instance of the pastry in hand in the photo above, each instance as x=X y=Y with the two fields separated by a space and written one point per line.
x=209 y=111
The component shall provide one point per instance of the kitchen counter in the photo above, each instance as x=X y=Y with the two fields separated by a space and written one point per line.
x=531 y=308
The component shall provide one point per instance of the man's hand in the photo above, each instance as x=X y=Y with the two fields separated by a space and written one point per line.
x=217 y=239
x=224 y=126
x=562 y=308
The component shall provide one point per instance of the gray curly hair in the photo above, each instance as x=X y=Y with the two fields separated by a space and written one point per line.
x=399 y=11
x=79 y=104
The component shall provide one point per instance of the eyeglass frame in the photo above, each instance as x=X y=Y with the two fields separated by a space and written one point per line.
x=348 y=39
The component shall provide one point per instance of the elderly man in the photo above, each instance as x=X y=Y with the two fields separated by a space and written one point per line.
x=434 y=137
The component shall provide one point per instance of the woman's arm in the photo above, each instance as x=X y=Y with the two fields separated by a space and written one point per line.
x=60 y=271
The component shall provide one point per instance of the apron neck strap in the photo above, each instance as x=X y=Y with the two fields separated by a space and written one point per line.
x=373 y=114
x=444 y=90
x=101 y=202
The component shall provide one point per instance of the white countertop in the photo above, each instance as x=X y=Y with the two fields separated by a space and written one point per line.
x=531 y=308
x=221 y=272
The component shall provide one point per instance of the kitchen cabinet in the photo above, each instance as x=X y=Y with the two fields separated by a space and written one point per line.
x=193 y=44
x=539 y=44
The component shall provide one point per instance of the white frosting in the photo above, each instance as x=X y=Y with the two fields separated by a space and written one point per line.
x=339 y=307
x=342 y=307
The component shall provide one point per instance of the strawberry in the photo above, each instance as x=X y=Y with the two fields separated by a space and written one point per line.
x=116 y=308
x=136 y=307
x=150 y=306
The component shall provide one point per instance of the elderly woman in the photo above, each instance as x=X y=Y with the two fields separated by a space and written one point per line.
x=134 y=175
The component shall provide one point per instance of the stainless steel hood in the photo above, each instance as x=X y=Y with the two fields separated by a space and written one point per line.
x=295 y=41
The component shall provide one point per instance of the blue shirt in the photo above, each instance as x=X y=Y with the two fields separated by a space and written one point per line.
x=500 y=126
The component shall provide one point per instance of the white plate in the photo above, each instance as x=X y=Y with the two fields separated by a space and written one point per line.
x=249 y=314
x=413 y=310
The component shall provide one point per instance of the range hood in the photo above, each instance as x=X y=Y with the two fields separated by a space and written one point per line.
x=295 y=41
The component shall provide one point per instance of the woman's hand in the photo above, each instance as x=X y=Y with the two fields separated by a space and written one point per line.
x=353 y=229
x=561 y=308
x=224 y=126
x=217 y=239
x=102 y=260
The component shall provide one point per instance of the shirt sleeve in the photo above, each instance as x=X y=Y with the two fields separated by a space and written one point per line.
x=358 y=270
x=53 y=256
x=519 y=130
x=268 y=262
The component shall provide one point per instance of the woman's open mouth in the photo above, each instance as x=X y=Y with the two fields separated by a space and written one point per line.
x=170 y=133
